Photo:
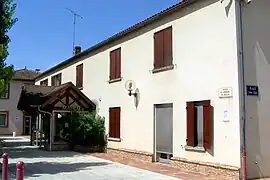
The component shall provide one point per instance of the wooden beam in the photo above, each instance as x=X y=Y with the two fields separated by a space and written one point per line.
x=77 y=101
x=67 y=97
x=58 y=99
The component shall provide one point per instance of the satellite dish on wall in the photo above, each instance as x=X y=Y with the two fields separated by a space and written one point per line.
x=130 y=85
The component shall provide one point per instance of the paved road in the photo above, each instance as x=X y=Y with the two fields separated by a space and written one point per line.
x=44 y=165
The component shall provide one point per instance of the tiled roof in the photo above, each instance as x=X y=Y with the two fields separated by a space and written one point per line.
x=38 y=95
x=25 y=74
x=157 y=16
x=44 y=90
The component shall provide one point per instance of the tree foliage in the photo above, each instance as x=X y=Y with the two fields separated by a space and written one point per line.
x=7 y=9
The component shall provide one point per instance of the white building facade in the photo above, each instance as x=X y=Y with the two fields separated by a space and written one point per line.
x=186 y=66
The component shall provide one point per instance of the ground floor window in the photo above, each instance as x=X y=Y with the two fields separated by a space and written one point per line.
x=199 y=124
x=114 y=122
x=3 y=118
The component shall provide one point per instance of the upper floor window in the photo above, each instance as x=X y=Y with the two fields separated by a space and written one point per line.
x=6 y=92
x=163 y=56
x=44 y=82
x=56 y=80
x=79 y=76
x=115 y=64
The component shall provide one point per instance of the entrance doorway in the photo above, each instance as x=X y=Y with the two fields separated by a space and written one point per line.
x=27 y=128
x=163 y=132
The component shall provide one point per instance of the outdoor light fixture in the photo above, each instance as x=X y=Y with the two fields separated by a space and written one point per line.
x=130 y=86
x=133 y=91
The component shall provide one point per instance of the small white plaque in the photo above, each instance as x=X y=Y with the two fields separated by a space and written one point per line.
x=225 y=92
x=226 y=118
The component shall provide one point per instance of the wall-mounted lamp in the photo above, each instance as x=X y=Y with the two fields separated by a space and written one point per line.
x=130 y=87
x=133 y=91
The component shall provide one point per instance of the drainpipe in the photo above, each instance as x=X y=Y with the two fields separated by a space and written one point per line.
x=46 y=112
x=242 y=88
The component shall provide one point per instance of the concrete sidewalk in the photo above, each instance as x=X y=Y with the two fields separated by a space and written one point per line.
x=46 y=165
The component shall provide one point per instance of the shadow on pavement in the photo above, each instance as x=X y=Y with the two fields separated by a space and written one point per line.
x=30 y=152
x=38 y=169
x=39 y=162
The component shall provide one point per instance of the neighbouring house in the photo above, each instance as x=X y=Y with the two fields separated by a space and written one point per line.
x=11 y=119
x=201 y=70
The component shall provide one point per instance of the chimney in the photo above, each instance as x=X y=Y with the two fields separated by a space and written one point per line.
x=77 y=50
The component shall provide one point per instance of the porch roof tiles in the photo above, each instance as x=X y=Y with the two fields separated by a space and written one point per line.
x=44 y=96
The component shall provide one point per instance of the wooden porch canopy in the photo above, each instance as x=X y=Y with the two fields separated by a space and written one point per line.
x=64 y=97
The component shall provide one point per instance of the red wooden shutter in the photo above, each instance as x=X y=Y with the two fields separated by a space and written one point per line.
x=207 y=124
x=190 y=124
x=158 y=55
x=111 y=122
x=60 y=78
x=118 y=63
x=167 y=48
x=117 y=122
x=52 y=81
x=112 y=65
x=79 y=75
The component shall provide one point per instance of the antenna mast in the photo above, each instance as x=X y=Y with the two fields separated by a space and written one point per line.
x=75 y=15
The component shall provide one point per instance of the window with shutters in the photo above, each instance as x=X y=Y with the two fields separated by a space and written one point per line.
x=56 y=80
x=163 y=54
x=44 y=82
x=115 y=65
x=114 y=122
x=199 y=124
x=79 y=76
x=4 y=118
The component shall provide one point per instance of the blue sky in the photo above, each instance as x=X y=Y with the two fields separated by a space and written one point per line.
x=42 y=37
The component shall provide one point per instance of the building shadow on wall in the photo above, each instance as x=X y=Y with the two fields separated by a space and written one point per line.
x=257 y=126
x=257 y=72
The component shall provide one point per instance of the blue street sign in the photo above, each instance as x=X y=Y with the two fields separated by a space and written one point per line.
x=252 y=90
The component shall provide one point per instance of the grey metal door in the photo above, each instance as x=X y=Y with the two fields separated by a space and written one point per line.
x=164 y=128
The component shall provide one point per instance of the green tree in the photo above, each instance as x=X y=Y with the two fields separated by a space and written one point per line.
x=7 y=9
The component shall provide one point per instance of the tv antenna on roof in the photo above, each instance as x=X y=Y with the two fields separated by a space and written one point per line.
x=75 y=15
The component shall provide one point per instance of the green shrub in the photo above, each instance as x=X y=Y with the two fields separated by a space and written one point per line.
x=84 y=128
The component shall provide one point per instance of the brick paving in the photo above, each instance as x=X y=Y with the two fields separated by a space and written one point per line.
x=44 y=165
x=161 y=168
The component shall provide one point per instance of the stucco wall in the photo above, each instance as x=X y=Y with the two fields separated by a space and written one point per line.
x=256 y=24
x=205 y=58
x=15 y=122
